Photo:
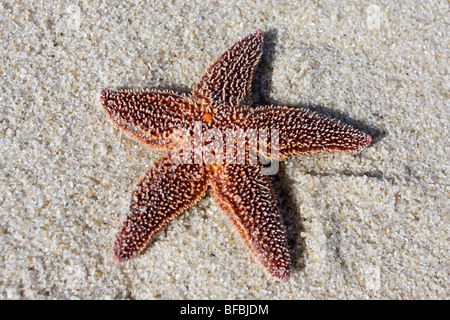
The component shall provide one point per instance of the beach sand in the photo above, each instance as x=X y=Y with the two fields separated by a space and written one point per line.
x=369 y=226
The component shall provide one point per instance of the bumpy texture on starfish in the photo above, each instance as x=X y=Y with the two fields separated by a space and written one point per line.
x=220 y=102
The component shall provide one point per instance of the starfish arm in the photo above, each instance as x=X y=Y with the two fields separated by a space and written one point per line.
x=248 y=199
x=150 y=117
x=302 y=132
x=228 y=80
x=164 y=192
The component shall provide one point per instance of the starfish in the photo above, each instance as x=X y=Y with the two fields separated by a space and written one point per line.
x=220 y=103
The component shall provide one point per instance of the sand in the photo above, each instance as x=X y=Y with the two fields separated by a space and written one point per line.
x=370 y=226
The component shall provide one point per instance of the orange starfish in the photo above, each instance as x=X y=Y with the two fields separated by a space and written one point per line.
x=220 y=103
